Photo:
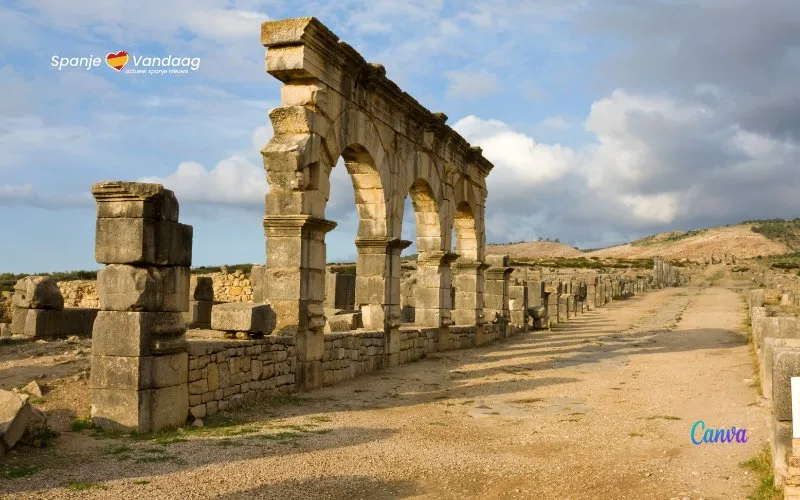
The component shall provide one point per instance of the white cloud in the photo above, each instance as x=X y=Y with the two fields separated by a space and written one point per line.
x=661 y=208
x=234 y=181
x=221 y=23
x=467 y=84
x=520 y=162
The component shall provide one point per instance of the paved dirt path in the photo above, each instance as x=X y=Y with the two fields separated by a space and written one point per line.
x=599 y=408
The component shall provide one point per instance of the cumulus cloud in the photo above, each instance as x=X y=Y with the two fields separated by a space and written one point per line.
x=234 y=181
x=520 y=162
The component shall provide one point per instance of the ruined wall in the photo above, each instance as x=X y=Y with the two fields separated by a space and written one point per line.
x=231 y=287
x=79 y=293
x=224 y=374
x=348 y=355
x=5 y=307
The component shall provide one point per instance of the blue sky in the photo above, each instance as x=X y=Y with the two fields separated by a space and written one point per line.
x=605 y=120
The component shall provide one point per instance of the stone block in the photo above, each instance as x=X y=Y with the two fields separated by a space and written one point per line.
x=240 y=317
x=756 y=298
x=42 y=323
x=258 y=280
x=785 y=366
x=117 y=199
x=201 y=288
x=5 y=330
x=497 y=260
x=37 y=292
x=127 y=288
x=148 y=410
x=780 y=441
x=780 y=327
x=340 y=291
x=137 y=333
x=199 y=314
x=147 y=372
x=143 y=241
x=771 y=345
x=17 y=418
x=18 y=318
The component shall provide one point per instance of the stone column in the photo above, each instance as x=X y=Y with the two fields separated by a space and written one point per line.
x=496 y=291
x=552 y=292
x=392 y=309
x=517 y=303
x=201 y=300
x=294 y=285
x=591 y=294
x=432 y=295
x=469 y=285
x=139 y=369
x=378 y=280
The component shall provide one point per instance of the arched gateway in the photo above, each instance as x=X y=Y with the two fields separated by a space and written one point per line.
x=335 y=104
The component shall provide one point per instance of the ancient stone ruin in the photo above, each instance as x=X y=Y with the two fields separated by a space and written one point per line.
x=166 y=348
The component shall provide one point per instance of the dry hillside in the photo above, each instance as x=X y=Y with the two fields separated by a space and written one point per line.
x=534 y=250
x=738 y=240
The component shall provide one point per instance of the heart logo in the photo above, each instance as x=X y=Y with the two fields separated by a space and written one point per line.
x=118 y=60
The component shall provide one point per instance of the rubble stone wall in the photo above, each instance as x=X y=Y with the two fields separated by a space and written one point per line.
x=79 y=293
x=223 y=374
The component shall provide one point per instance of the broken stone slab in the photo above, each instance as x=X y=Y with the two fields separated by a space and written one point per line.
x=199 y=314
x=37 y=292
x=41 y=323
x=18 y=419
x=497 y=260
x=143 y=241
x=343 y=322
x=124 y=287
x=119 y=333
x=135 y=373
x=117 y=199
x=33 y=389
x=240 y=317
x=18 y=317
x=201 y=288
x=785 y=366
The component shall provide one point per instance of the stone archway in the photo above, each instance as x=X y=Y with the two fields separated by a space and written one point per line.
x=334 y=103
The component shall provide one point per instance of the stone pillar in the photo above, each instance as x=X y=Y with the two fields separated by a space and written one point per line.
x=201 y=300
x=552 y=292
x=591 y=294
x=340 y=291
x=139 y=369
x=377 y=286
x=393 y=319
x=469 y=285
x=517 y=303
x=432 y=295
x=496 y=291
x=294 y=285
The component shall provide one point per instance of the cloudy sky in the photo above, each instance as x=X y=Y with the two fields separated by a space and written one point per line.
x=606 y=120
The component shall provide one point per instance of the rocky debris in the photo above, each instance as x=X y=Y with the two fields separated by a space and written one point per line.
x=20 y=422
x=33 y=388
x=198 y=422
x=73 y=339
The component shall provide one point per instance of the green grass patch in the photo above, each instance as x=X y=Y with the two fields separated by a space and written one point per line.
x=282 y=436
x=12 y=471
x=119 y=450
x=81 y=424
x=761 y=466
x=84 y=485
x=320 y=418
x=662 y=417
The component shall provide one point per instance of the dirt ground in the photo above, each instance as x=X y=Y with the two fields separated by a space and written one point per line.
x=601 y=407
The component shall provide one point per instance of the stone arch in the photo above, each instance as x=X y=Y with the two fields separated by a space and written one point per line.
x=334 y=103
x=467 y=242
x=426 y=212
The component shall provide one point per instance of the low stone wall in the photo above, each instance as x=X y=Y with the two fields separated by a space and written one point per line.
x=79 y=293
x=224 y=374
x=348 y=355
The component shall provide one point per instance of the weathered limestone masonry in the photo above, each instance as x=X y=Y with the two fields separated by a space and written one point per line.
x=201 y=300
x=777 y=343
x=140 y=365
x=496 y=292
x=335 y=104
x=665 y=274
x=38 y=310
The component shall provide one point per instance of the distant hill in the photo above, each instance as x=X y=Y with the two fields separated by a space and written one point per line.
x=534 y=250
x=746 y=240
